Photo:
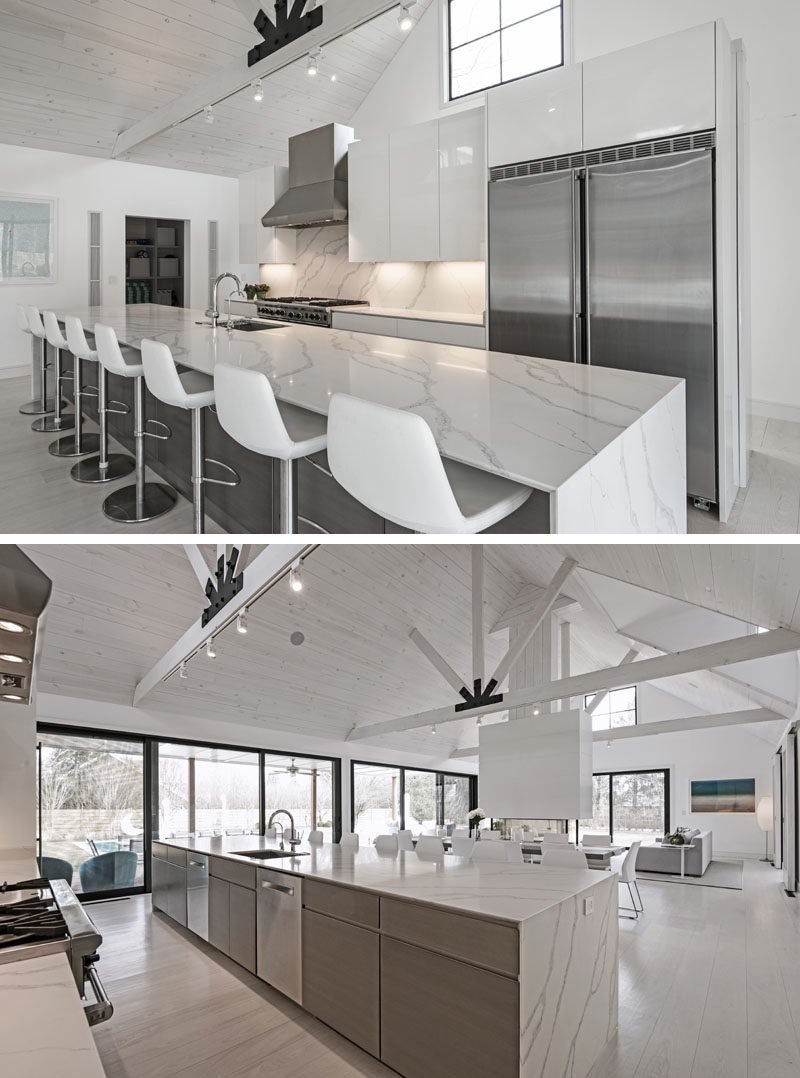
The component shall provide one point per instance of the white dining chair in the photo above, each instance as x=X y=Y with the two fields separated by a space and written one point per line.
x=487 y=835
x=564 y=858
x=556 y=838
x=627 y=875
x=596 y=840
x=460 y=832
x=462 y=847
x=430 y=845
x=386 y=843
x=388 y=460
x=315 y=838
x=349 y=840
x=404 y=840
x=496 y=851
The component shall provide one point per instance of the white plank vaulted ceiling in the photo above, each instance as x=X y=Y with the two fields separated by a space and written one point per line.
x=116 y=609
x=75 y=73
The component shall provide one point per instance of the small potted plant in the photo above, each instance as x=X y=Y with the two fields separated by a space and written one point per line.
x=256 y=291
x=475 y=818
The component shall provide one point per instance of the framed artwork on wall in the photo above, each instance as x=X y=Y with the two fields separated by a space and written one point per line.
x=27 y=240
x=722 y=795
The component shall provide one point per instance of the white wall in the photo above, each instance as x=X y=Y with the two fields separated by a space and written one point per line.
x=17 y=777
x=409 y=92
x=84 y=184
x=732 y=752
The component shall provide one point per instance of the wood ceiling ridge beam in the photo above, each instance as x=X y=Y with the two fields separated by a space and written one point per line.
x=705 y=657
x=347 y=16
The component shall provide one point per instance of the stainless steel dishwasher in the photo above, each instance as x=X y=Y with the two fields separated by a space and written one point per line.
x=279 y=910
x=197 y=894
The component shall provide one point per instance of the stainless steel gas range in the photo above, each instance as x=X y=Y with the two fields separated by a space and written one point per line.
x=312 y=310
x=40 y=917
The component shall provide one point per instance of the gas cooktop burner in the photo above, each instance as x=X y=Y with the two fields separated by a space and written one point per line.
x=315 y=310
x=317 y=301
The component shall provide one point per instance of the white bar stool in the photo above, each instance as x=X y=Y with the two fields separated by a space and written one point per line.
x=388 y=460
x=141 y=501
x=104 y=467
x=248 y=411
x=42 y=405
x=194 y=391
x=78 y=444
x=40 y=323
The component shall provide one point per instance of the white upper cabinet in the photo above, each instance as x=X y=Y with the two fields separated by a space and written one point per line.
x=258 y=192
x=540 y=116
x=462 y=186
x=368 y=199
x=414 y=193
x=659 y=89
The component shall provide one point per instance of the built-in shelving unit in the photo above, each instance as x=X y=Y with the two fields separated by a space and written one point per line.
x=155 y=261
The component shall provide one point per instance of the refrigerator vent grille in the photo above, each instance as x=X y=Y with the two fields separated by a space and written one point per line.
x=702 y=141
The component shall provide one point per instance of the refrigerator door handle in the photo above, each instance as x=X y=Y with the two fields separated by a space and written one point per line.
x=587 y=272
x=576 y=238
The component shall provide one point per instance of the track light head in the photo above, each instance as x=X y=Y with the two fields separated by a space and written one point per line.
x=405 y=19
x=258 y=90
x=241 y=622
x=536 y=709
x=312 y=68
x=210 y=649
x=182 y=673
x=295 y=579
x=209 y=114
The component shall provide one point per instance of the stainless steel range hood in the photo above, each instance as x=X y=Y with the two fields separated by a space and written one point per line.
x=317 y=192
x=24 y=594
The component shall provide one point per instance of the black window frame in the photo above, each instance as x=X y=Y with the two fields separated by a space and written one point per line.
x=620 y=688
x=402 y=768
x=150 y=745
x=503 y=82
x=665 y=771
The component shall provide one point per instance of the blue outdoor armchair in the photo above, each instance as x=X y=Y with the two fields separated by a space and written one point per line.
x=109 y=871
x=56 y=868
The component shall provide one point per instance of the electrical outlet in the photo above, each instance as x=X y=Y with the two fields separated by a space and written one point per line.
x=588 y=905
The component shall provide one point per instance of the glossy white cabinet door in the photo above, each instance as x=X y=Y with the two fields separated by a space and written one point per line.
x=368 y=199
x=420 y=329
x=537 y=117
x=414 y=193
x=659 y=89
x=258 y=192
x=462 y=187
x=365 y=323
x=247 y=233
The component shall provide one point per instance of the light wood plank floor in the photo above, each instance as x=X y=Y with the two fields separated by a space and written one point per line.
x=38 y=496
x=709 y=988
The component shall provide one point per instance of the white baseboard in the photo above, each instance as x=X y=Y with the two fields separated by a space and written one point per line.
x=775 y=410
x=738 y=855
x=15 y=372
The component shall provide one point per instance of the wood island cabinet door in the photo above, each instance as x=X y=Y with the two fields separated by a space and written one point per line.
x=441 y=1017
x=219 y=914
x=242 y=931
x=159 y=882
x=341 y=978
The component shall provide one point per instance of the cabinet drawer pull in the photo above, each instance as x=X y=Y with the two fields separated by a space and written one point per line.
x=197 y=864
x=278 y=887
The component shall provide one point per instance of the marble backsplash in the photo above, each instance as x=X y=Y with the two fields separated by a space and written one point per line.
x=322 y=269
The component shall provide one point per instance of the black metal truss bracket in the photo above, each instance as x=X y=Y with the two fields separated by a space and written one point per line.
x=286 y=28
x=479 y=696
x=227 y=585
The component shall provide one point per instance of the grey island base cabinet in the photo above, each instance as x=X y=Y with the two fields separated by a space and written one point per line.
x=430 y=988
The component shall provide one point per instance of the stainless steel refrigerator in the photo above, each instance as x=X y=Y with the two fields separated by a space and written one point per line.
x=613 y=264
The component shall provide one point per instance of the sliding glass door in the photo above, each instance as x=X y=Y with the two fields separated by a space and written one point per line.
x=629 y=805
x=91 y=811
x=207 y=791
x=386 y=798
x=304 y=786
x=375 y=800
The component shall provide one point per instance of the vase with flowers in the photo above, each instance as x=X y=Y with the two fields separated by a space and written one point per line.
x=474 y=819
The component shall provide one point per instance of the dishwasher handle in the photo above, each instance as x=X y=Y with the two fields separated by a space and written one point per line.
x=198 y=864
x=278 y=887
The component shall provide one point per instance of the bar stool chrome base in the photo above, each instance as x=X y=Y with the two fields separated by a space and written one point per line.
x=91 y=470
x=136 y=504
x=65 y=447
x=39 y=407
x=52 y=424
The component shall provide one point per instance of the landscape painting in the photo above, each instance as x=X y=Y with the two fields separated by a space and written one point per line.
x=723 y=795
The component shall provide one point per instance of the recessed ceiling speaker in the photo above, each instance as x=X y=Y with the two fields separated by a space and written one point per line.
x=297 y=639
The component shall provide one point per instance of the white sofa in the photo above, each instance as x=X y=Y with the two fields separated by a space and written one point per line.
x=654 y=858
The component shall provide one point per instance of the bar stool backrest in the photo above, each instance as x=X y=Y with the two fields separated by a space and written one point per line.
x=110 y=354
x=76 y=339
x=35 y=323
x=161 y=375
x=22 y=318
x=247 y=410
x=52 y=330
x=388 y=460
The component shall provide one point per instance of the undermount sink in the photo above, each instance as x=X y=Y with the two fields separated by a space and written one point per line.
x=245 y=326
x=266 y=855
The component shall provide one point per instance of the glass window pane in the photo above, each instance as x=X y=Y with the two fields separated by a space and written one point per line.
x=206 y=791
x=517 y=10
x=470 y=19
x=420 y=801
x=600 y=821
x=26 y=239
x=305 y=788
x=638 y=806
x=456 y=800
x=376 y=800
x=532 y=46
x=92 y=804
x=476 y=66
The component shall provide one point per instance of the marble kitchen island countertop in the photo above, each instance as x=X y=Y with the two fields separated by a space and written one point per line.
x=498 y=891
x=608 y=447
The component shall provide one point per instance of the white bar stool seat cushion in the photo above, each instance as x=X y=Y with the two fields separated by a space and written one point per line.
x=119 y=359
x=193 y=389
x=389 y=461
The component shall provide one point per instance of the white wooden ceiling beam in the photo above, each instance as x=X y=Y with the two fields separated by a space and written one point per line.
x=599 y=697
x=263 y=572
x=198 y=564
x=540 y=612
x=340 y=19
x=478 y=660
x=707 y=657
x=437 y=660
